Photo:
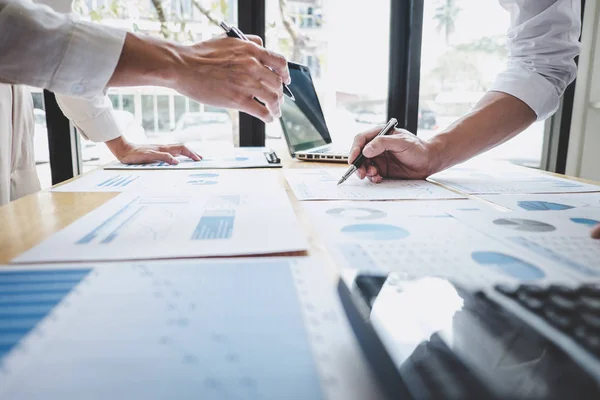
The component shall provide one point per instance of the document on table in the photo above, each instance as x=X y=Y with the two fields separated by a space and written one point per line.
x=321 y=184
x=556 y=236
x=507 y=179
x=422 y=239
x=145 y=226
x=250 y=157
x=546 y=202
x=172 y=181
x=262 y=328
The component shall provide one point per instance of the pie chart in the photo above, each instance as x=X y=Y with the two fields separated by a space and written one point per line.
x=543 y=206
x=508 y=265
x=375 y=232
x=524 y=225
x=585 y=221
x=203 y=175
x=357 y=213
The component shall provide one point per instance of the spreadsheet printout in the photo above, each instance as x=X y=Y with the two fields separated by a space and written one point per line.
x=264 y=328
x=321 y=184
x=422 y=240
x=146 y=226
x=168 y=181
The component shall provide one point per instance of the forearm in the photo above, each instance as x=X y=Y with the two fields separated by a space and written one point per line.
x=146 y=61
x=496 y=118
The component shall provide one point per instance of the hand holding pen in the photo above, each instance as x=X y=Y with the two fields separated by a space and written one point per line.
x=281 y=77
x=359 y=159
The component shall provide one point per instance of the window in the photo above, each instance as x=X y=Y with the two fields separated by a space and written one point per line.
x=40 y=139
x=152 y=114
x=346 y=48
x=464 y=48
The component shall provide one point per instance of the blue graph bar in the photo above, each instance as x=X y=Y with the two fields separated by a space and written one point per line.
x=129 y=181
x=115 y=233
x=214 y=227
x=109 y=181
x=87 y=239
x=27 y=297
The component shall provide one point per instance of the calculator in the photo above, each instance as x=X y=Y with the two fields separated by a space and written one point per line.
x=431 y=338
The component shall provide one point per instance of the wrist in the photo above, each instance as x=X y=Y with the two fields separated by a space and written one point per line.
x=147 y=61
x=119 y=147
x=437 y=146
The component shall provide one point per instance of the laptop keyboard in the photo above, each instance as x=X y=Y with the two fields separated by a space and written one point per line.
x=575 y=311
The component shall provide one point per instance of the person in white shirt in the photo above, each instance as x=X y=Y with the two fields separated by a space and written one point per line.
x=80 y=60
x=543 y=41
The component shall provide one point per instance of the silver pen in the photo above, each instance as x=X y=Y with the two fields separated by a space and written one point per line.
x=234 y=32
x=392 y=123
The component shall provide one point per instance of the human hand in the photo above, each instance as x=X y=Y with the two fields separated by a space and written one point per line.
x=397 y=155
x=231 y=73
x=596 y=232
x=129 y=153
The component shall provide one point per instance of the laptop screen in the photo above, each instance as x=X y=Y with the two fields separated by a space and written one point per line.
x=302 y=120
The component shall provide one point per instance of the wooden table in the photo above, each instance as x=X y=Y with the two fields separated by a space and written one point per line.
x=30 y=220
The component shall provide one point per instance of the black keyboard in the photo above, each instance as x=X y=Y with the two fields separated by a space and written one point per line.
x=574 y=311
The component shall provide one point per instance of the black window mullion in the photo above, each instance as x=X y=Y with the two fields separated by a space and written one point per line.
x=63 y=160
x=251 y=20
x=557 y=141
x=406 y=35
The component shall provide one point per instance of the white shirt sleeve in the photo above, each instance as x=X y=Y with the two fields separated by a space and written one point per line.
x=93 y=118
x=543 y=41
x=56 y=51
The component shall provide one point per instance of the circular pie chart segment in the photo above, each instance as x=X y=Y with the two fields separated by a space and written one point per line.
x=508 y=265
x=524 y=225
x=375 y=232
x=585 y=221
x=204 y=175
x=543 y=206
x=357 y=213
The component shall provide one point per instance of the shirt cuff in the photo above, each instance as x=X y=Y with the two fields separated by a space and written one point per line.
x=529 y=87
x=101 y=128
x=89 y=61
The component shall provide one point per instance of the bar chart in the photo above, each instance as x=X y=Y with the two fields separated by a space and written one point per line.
x=27 y=297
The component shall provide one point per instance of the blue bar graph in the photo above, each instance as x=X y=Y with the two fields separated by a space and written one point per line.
x=27 y=297
x=88 y=238
x=118 y=181
x=213 y=226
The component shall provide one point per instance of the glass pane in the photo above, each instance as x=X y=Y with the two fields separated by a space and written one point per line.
x=128 y=103
x=464 y=48
x=322 y=34
x=152 y=114
x=179 y=107
x=114 y=99
x=148 y=114
x=40 y=139
x=163 y=113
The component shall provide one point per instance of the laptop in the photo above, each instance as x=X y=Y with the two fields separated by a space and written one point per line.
x=303 y=122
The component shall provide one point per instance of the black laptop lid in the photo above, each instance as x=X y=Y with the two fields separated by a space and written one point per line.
x=302 y=121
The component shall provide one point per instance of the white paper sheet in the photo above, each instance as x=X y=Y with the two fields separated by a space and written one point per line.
x=321 y=184
x=248 y=157
x=205 y=329
x=146 y=226
x=556 y=236
x=422 y=240
x=507 y=179
x=546 y=202
x=172 y=181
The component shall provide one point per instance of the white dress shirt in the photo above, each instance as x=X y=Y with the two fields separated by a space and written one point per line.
x=55 y=51
x=543 y=41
